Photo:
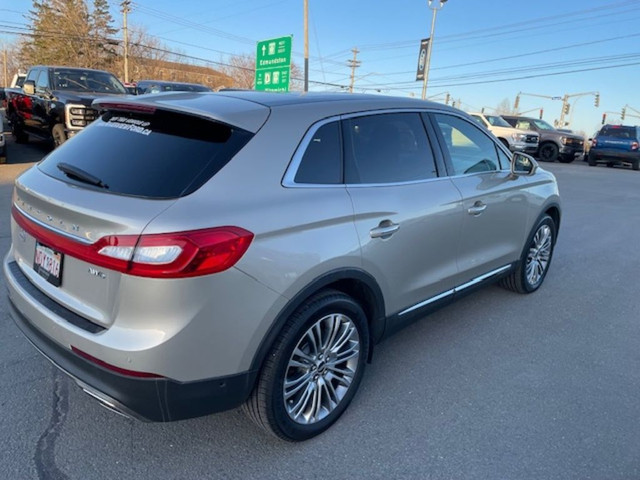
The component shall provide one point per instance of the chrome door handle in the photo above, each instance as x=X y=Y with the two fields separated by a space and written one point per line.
x=384 y=230
x=477 y=208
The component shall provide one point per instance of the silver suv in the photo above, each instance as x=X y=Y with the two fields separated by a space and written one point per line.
x=188 y=253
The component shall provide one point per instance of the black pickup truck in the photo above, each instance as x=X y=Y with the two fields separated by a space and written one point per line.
x=55 y=102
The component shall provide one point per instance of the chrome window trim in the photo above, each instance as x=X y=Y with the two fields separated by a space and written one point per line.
x=288 y=180
x=457 y=289
x=289 y=177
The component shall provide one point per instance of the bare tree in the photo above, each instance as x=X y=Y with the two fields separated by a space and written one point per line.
x=242 y=69
x=504 y=107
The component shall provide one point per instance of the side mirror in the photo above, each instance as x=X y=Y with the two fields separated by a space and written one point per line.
x=29 y=87
x=523 y=164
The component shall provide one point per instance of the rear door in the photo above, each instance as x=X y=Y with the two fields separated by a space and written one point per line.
x=408 y=218
x=495 y=203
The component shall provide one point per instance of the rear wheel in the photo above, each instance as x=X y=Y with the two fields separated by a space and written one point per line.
x=535 y=260
x=313 y=369
x=592 y=160
x=548 y=152
x=635 y=164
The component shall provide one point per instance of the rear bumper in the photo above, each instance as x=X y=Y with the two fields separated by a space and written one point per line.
x=607 y=155
x=148 y=399
x=155 y=400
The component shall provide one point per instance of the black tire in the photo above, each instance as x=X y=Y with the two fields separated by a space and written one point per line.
x=610 y=164
x=566 y=159
x=548 y=152
x=58 y=135
x=592 y=160
x=19 y=135
x=298 y=418
x=538 y=249
x=635 y=164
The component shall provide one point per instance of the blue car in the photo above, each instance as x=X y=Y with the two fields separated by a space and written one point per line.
x=615 y=145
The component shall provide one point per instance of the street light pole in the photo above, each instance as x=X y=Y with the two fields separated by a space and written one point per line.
x=306 y=45
x=433 y=29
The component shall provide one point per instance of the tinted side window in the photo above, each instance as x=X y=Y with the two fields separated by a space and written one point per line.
x=470 y=150
x=387 y=148
x=322 y=160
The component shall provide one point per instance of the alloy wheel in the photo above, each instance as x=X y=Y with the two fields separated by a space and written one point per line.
x=539 y=255
x=321 y=369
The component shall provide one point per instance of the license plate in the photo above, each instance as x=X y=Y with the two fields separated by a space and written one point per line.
x=48 y=263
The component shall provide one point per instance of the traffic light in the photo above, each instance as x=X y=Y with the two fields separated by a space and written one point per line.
x=624 y=112
x=541 y=112
x=604 y=118
x=516 y=104
x=597 y=100
x=482 y=110
x=566 y=108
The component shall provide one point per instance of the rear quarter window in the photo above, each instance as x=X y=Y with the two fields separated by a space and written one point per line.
x=161 y=155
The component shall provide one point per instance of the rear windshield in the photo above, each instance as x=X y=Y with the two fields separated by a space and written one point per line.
x=618 y=132
x=160 y=155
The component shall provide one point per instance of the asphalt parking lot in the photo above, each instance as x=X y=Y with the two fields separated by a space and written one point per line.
x=495 y=386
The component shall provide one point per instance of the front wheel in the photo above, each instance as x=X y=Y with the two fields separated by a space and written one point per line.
x=548 y=152
x=535 y=260
x=18 y=133
x=313 y=369
x=58 y=134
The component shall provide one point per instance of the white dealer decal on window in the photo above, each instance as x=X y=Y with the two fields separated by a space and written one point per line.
x=129 y=124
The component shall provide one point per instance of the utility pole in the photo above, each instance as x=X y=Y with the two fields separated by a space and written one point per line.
x=306 y=45
x=6 y=77
x=125 y=35
x=354 y=63
x=435 y=9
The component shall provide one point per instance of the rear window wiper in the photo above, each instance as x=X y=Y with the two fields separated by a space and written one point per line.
x=81 y=175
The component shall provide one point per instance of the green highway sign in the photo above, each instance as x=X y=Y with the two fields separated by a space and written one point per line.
x=273 y=64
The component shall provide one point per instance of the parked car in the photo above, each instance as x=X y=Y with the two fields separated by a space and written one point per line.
x=157 y=86
x=174 y=261
x=55 y=102
x=514 y=139
x=615 y=145
x=554 y=144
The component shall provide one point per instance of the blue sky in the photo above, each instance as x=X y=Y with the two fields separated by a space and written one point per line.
x=484 y=51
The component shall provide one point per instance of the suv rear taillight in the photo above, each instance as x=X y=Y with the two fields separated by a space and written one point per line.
x=170 y=255
x=634 y=146
x=594 y=143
